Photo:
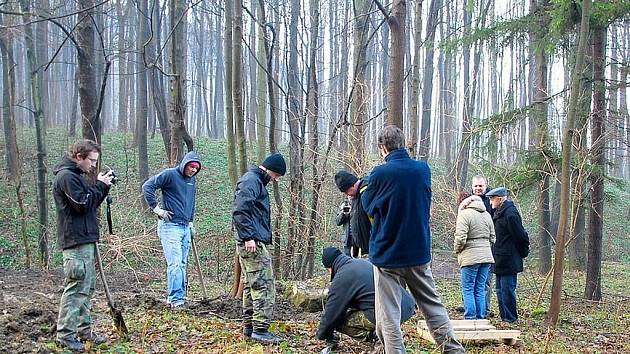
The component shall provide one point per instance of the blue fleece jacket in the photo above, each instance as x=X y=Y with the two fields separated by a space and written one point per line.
x=398 y=200
x=178 y=191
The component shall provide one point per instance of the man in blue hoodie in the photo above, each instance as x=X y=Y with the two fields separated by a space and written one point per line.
x=175 y=224
x=398 y=200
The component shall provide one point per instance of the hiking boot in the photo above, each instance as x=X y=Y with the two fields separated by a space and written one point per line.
x=178 y=307
x=247 y=331
x=265 y=337
x=71 y=343
x=92 y=337
x=459 y=309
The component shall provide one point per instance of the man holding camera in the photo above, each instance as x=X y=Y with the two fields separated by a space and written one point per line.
x=175 y=224
x=77 y=232
x=352 y=187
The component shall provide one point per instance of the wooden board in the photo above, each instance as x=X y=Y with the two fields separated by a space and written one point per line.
x=474 y=330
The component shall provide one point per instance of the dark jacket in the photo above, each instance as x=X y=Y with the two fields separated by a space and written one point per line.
x=178 y=191
x=359 y=221
x=512 y=239
x=398 y=198
x=251 y=212
x=486 y=201
x=353 y=287
x=343 y=219
x=76 y=204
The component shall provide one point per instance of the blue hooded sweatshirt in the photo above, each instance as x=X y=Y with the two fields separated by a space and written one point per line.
x=178 y=191
x=398 y=199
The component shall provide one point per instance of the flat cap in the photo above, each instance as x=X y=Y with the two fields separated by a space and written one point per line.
x=497 y=192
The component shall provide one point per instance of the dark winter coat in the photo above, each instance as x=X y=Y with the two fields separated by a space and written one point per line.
x=359 y=221
x=251 y=213
x=76 y=204
x=343 y=219
x=178 y=190
x=398 y=199
x=512 y=241
x=353 y=287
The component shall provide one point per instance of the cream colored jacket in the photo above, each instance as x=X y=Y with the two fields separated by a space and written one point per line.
x=474 y=235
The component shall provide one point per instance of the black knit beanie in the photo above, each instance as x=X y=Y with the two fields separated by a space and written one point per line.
x=275 y=163
x=329 y=254
x=345 y=180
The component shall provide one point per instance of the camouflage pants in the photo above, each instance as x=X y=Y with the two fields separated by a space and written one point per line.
x=357 y=326
x=259 y=291
x=74 y=308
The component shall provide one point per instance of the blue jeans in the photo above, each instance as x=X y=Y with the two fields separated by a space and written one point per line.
x=506 y=297
x=473 y=280
x=175 y=240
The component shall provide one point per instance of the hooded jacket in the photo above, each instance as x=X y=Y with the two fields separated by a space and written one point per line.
x=512 y=240
x=398 y=198
x=251 y=214
x=353 y=287
x=76 y=204
x=474 y=235
x=178 y=190
x=360 y=225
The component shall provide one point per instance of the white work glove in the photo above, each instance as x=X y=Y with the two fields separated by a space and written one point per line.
x=163 y=214
x=192 y=228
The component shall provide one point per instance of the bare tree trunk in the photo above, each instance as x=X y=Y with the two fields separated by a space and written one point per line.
x=312 y=115
x=296 y=146
x=593 y=289
x=142 y=105
x=237 y=85
x=542 y=144
x=396 y=22
x=155 y=77
x=554 y=307
x=229 y=109
x=91 y=124
x=177 y=58
x=122 y=68
x=40 y=129
x=8 y=96
x=427 y=86
x=261 y=92
x=412 y=137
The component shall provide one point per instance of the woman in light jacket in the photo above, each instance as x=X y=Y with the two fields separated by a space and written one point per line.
x=474 y=236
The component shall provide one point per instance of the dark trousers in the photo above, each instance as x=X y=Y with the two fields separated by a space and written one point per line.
x=506 y=297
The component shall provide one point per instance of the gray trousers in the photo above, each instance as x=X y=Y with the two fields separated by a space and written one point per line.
x=419 y=279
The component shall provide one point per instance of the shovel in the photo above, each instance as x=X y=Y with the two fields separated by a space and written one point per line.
x=198 y=264
x=119 y=321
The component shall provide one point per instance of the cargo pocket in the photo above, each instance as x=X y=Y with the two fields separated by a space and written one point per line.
x=74 y=269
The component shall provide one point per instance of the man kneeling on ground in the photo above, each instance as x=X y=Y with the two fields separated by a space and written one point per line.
x=350 y=305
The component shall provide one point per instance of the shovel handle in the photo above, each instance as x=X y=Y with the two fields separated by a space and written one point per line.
x=198 y=264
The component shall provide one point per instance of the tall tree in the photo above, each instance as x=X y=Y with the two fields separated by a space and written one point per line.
x=427 y=85
x=412 y=137
x=538 y=8
x=142 y=105
x=237 y=84
x=177 y=62
x=396 y=22
x=40 y=131
x=554 y=307
x=593 y=288
x=91 y=124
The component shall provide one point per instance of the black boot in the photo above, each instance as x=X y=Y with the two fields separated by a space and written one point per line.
x=91 y=336
x=71 y=343
x=247 y=331
x=265 y=337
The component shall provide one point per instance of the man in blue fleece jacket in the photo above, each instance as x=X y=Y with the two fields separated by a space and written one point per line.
x=398 y=200
x=175 y=220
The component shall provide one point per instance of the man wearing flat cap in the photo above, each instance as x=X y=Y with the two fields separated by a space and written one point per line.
x=511 y=246
x=360 y=225
x=350 y=305
x=251 y=216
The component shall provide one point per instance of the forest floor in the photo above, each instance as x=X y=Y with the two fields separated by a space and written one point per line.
x=30 y=301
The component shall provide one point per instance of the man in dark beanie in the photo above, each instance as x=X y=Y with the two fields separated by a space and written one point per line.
x=251 y=216
x=360 y=225
x=350 y=305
